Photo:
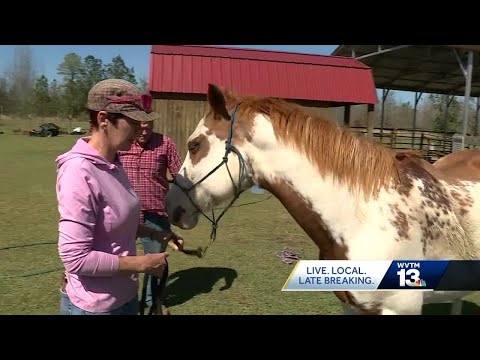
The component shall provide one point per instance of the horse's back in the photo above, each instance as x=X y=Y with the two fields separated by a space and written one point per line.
x=460 y=165
x=450 y=201
x=413 y=160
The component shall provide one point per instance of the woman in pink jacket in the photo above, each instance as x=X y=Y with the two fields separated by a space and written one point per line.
x=99 y=210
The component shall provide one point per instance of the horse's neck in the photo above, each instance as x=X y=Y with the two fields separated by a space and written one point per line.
x=321 y=206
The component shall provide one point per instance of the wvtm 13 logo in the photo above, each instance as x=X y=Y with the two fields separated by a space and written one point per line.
x=409 y=275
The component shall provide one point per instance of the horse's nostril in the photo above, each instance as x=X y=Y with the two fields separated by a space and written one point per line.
x=177 y=213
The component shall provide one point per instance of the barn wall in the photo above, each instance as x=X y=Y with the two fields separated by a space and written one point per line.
x=178 y=119
x=180 y=114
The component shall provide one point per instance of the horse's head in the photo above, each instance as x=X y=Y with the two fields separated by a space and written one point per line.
x=215 y=169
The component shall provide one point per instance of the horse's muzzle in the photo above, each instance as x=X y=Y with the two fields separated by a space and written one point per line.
x=177 y=214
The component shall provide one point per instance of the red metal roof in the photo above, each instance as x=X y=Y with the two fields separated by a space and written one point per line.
x=189 y=69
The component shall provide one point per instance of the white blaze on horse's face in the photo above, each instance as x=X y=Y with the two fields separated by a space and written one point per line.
x=207 y=188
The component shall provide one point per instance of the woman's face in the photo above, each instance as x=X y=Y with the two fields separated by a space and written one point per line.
x=122 y=134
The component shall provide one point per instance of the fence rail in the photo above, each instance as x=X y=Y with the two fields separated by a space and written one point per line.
x=432 y=144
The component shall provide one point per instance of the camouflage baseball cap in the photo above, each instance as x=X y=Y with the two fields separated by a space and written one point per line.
x=121 y=96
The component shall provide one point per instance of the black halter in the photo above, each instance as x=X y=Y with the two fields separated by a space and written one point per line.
x=228 y=149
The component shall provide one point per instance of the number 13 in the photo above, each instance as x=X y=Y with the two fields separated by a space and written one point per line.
x=412 y=274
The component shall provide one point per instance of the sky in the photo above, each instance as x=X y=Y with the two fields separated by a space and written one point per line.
x=48 y=57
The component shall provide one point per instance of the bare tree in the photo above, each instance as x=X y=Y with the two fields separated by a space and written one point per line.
x=143 y=84
x=21 y=75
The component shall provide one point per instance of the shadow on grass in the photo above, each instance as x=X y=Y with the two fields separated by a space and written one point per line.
x=184 y=285
x=468 y=308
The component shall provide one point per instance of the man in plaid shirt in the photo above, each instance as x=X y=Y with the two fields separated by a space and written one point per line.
x=146 y=165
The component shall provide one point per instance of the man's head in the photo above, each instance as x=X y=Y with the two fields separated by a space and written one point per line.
x=145 y=132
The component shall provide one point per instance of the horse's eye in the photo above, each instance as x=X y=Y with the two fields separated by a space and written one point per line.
x=193 y=145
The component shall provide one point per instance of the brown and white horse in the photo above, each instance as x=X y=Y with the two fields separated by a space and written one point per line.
x=354 y=198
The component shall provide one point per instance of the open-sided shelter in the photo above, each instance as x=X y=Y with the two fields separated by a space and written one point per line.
x=439 y=69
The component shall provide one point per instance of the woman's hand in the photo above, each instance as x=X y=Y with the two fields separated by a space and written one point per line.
x=154 y=263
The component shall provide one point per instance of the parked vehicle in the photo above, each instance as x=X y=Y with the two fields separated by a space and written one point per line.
x=46 y=130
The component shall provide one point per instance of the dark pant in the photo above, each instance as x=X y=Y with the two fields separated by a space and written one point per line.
x=156 y=222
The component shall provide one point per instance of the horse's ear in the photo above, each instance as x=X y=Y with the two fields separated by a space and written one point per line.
x=216 y=99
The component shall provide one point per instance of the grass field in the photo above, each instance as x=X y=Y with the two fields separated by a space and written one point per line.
x=241 y=273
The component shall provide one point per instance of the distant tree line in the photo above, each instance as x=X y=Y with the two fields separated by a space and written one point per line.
x=434 y=112
x=23 y=92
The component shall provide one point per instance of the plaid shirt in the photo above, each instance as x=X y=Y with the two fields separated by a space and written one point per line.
x=147 y=167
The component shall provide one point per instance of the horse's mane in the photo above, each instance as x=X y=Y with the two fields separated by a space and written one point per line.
x=354 y=161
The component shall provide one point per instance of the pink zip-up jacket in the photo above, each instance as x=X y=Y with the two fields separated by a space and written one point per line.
x=99 y=214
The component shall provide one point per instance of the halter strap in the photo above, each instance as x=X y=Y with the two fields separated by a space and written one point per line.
x=229 y=147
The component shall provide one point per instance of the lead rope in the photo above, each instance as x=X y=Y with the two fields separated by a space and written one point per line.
x=289 y=256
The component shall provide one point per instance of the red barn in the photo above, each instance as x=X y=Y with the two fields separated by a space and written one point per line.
x=179 y=76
